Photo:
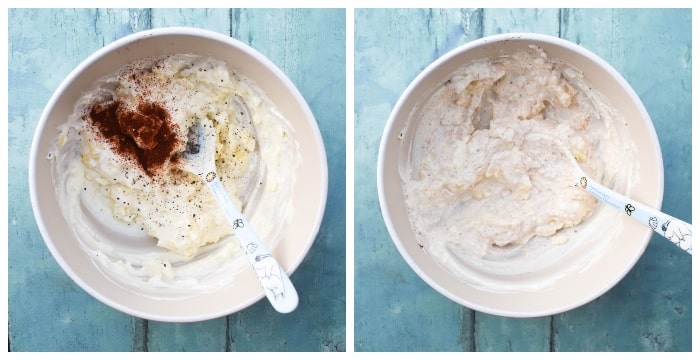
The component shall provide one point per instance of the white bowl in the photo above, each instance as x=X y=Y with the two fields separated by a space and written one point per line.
x=607 y=264
x=309 y=194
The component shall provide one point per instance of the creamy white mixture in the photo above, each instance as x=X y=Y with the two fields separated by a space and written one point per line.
x=158 y=229
x=489 y=203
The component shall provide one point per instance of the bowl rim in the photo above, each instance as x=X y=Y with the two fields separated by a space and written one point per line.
x=425 y=73
x=123 y=42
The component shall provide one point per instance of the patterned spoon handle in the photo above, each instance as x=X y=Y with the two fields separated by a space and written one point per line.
x=278 y=287
x=677 y=231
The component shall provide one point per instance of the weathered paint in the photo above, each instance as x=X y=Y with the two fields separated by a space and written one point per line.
x=47 y=311
x=650 y=309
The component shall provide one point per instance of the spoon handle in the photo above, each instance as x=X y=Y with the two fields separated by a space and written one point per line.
x=278 y=287
x=677 y=231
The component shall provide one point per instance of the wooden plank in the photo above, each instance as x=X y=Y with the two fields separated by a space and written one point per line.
x=656 y=59
x=206 y=335
x=650 y=309
x=495 y=333
x=394 y=309
x=309 y=46
x=218 y=20
x=543 y=21
x=200 y=336
x=48 y=311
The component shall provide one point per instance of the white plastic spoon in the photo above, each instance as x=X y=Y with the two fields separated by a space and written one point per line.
x=677 y=231
x=199 y=160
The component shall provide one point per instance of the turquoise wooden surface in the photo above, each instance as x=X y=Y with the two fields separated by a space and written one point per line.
x=46 y=310
x=394 y=310
x=649 y=310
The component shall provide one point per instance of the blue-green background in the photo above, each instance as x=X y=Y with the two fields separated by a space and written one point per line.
x=47 y=311
x=649 y=310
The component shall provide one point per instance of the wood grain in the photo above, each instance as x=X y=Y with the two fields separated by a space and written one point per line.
x=47 y=311
x=649 y=310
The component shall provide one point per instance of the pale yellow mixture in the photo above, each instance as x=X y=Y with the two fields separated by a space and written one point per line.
x=121 y=211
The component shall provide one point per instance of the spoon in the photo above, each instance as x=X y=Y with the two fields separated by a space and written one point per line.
x=675 y=230
x=199 y=159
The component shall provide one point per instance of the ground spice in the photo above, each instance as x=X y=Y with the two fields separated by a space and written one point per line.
x=146 y=136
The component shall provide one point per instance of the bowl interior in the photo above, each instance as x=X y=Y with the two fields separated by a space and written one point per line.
x=610 y=262
x=309 y=195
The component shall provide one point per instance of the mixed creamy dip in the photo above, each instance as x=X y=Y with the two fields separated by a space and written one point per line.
x=147 y=222
x=487 y=201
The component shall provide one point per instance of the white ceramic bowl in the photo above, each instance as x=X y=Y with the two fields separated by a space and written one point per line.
x=611 y=261
x=309 y=194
